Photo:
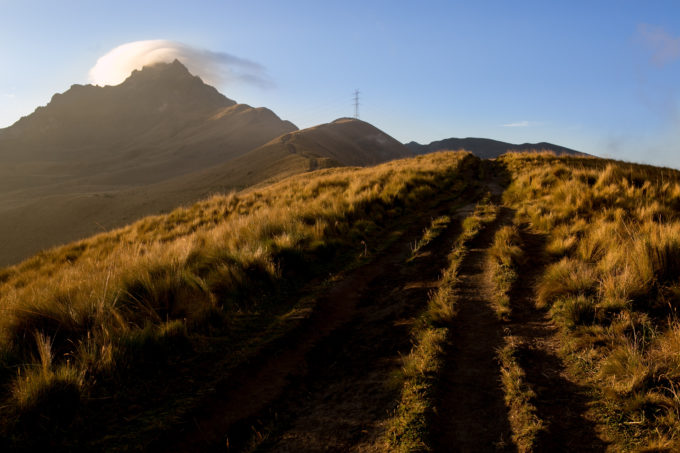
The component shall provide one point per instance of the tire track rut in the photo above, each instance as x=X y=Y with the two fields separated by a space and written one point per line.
x=348 y=394
x=325 y=388
x=470 y=414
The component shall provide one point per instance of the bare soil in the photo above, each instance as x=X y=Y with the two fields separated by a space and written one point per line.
x=470 y=413
x=343 y=402
x=351 y=388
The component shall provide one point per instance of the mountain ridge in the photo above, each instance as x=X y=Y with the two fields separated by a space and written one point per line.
x=98 y=158
x=487 y=148
x=159 y=108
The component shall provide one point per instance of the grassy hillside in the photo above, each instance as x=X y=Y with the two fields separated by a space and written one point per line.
x=571 y=300
x=90 y=328
x=523 y=304
x=612 y=236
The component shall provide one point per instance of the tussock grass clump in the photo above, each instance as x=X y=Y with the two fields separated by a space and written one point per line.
x=519 y=397
x=485 y=212
x=52 y=394
x=408 y=430
x=507 y=246
x=614 y=231
x=44 y=399
x=436 y=227
x=572 y=311
x=123 y=306
x=567 y=277
x=505 y=255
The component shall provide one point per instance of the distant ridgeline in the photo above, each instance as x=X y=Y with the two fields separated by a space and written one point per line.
x=487 y=148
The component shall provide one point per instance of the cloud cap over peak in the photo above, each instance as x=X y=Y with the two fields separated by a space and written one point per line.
x=215 y=68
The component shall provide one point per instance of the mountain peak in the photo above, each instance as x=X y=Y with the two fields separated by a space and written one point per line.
x=151 y=96
x=173 y=84
x=161 y=71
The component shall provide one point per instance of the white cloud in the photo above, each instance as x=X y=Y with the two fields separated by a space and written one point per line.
x=9 y=95
x=518 y=124
x=664 y=47
x=215 y=68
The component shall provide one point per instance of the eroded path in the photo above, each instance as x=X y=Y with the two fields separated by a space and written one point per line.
x=328 y=385
x=470 y=413
x=348 y=393
x=333 y=384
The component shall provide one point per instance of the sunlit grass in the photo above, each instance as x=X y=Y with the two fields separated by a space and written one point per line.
x=519 y=397
x=408 y=427
x=614 y=286
x=505 y=255
x=123 y=304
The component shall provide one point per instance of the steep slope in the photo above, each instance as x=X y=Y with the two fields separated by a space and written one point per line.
x=84 y=161
x=88 y=209
x=487 y=148
x=159 y=123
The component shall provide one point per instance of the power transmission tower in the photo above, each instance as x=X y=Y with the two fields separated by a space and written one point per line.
x=356 y=104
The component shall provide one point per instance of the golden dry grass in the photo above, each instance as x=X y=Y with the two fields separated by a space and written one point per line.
x=614 y=231
x=505 y=255
x=522 y=413
x=87 y=317
x=96 y=315
x=408 y=427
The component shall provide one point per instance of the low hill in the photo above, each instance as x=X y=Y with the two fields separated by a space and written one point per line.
x=487 y=148
x=345 y=140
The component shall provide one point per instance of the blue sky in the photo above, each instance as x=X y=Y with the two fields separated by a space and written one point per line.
x=601 y=77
